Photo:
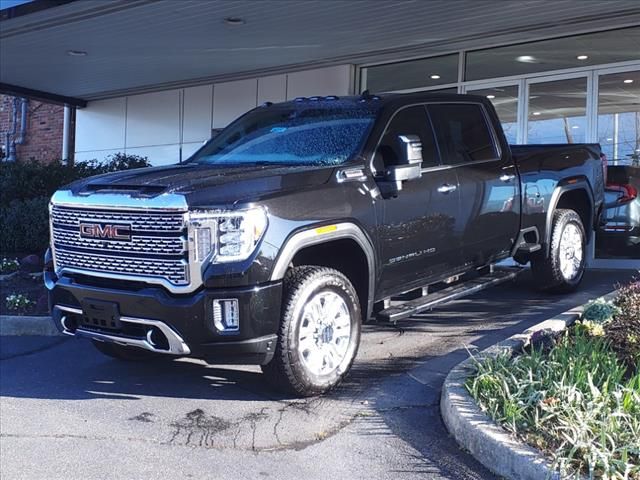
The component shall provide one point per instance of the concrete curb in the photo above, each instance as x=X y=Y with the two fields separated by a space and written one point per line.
x=14 y=325
x=490 y=444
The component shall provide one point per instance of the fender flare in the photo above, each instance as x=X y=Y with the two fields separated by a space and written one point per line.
x=553 y=203
x=315 y=235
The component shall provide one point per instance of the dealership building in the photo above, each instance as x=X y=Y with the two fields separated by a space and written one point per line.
x=158 y=78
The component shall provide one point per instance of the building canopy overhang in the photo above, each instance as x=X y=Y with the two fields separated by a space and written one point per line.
x=70 y=52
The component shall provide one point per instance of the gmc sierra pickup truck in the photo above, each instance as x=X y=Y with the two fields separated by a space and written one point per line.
x=277 y=239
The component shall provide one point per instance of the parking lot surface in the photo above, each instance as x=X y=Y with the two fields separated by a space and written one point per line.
x=68 y=412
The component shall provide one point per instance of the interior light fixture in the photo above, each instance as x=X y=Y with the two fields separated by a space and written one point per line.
x=575 y=126
x=234 y=21
x=628 y=80
x=491 y=97
x=582 y=57
x=77 y=53
x=435 y=77
x=526 y=59
x=536 y=113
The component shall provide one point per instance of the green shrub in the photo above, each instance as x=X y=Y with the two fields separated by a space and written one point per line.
x=24 y=226
x=31 y=179
x=25 y=190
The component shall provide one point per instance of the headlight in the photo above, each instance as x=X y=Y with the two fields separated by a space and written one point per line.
x=227 y=236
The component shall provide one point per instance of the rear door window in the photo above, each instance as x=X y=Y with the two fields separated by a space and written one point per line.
x=463 y=133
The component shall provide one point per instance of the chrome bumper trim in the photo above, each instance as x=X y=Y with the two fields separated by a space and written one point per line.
x=177 y=345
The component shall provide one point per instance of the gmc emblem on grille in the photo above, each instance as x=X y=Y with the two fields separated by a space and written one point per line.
x=106 y=231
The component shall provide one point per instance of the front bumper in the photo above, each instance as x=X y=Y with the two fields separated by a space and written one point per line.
x=153 y=319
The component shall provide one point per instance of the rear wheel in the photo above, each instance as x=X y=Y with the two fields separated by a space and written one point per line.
x=562 y=269
x=126 y=354
x=319 y=332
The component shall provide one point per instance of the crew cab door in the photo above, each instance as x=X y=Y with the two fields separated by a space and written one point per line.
x=489 y=185
x=417 y=232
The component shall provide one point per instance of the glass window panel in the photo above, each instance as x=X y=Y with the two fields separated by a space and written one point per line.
x=423 y=73
x=619 y=116
x=463 y=133
x=557 y=111
x=556 y=54
x=505 y=101
x=619 y=136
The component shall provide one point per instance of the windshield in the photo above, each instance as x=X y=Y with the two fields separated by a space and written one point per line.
x=291 y=134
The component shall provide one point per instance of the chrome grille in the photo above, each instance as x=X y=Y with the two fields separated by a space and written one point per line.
x=175 y=272
x=143 y=222
x=157 y=249
x=138 y=244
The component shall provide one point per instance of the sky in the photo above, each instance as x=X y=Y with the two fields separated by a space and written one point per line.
x=11 y=3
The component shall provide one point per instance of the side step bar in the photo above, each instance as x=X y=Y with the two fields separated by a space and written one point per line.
x=405 y=310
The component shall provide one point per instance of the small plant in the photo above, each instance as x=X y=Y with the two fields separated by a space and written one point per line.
x=18 y=302
x=590 y=328
x=600 y=311
x=9 y=265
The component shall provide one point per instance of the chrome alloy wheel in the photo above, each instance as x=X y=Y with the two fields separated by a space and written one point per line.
x=571 y=251
x=325 y=332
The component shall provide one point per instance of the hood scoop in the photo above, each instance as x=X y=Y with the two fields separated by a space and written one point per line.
x=140 y=191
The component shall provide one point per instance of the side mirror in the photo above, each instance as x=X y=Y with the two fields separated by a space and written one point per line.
x=409 y=166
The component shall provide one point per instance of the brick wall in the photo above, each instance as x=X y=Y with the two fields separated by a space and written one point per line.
x=43 y=140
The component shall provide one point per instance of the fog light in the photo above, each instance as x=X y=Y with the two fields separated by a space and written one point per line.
x=226 y=315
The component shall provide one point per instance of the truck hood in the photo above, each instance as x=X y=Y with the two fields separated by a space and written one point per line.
x=207 y=184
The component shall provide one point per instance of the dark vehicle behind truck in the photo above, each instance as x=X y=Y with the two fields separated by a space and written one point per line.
x=276 y=240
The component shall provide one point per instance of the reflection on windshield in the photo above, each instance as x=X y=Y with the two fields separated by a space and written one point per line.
x=291 y=135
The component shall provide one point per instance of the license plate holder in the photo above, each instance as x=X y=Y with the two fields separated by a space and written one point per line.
x=101 y=314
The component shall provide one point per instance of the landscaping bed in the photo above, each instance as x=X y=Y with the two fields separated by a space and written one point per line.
x=575 y=397
x=22 y=290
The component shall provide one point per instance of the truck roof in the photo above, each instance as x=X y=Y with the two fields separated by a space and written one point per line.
x=368 y=100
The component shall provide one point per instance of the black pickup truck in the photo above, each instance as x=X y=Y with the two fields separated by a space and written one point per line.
x=277 y=239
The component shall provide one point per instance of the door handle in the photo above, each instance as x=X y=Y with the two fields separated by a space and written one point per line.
x=507 y=178
x=446 y=188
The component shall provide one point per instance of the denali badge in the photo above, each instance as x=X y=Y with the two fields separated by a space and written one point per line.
x=106 y=231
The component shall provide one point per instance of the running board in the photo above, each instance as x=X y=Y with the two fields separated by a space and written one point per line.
x=405 y=310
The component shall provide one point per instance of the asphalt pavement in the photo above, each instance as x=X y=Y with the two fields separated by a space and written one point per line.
x=67 y=412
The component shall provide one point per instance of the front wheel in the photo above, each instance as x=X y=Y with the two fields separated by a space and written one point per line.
x=562 y=269
x=319 y=332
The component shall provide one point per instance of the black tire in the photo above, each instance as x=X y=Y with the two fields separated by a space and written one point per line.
x=547 y=272
x=125 y=354
x=288 y=371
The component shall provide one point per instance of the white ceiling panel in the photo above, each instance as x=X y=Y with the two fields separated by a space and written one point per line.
x=140 y=45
